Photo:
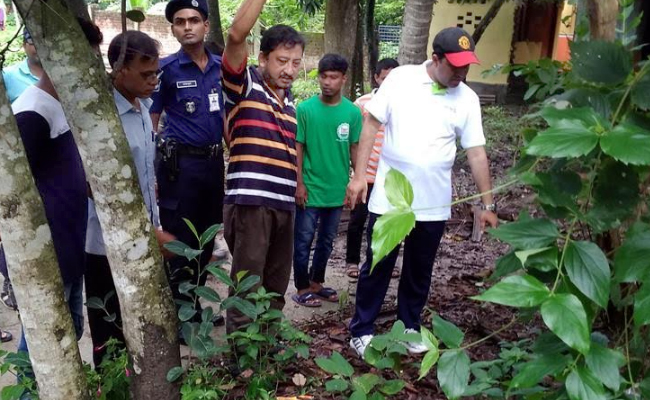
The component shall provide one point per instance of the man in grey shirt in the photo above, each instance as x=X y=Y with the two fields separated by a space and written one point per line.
x=134 y=79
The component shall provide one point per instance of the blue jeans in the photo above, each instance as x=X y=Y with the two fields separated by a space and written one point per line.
x=74 y=296
x=307 y=220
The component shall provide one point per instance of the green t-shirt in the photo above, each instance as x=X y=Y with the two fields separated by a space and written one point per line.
x=326 y=133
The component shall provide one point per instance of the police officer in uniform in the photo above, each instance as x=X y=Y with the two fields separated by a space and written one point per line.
x=190 y=173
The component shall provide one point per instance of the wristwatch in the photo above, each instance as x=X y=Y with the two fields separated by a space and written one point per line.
x=489 y=207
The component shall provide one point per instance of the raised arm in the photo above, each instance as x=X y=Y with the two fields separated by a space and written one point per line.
x=236 y=51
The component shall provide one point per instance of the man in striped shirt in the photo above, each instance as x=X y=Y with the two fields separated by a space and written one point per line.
x=261 y=182
x=360 y=212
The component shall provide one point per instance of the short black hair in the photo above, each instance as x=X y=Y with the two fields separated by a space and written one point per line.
x=333 y=62
x=139 y=45
x=278 y=35
x=91 y=31
x=386 y=63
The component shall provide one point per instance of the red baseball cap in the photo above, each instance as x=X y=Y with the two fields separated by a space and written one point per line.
x=456 y=45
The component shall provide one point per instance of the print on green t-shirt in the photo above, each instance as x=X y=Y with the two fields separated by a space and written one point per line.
x=326 y=133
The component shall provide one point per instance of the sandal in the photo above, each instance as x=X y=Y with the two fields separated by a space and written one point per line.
x=328 y=294
x=5 y=336
x=306 y=299
x=352 y=272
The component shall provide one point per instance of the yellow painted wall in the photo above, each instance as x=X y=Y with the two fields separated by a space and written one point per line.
x=494 y=46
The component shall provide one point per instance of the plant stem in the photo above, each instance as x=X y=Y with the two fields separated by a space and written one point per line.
x=567 y=240
x=636 y=79
x=481 y=340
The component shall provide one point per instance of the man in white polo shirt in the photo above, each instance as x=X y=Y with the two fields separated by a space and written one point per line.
x=424 y=108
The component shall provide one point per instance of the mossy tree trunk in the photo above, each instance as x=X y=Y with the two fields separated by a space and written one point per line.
x=415 y=31
x=341 y=30
x=603 y=15
x=148 y=313
x=34 y=271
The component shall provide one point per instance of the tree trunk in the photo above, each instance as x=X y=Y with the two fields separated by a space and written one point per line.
x=355 y=75
x=341 y=22
x=79 y=8
x=603 y=15
x=34 y=271
x=487 y=19
x=371 y=40
x=215 y=35
x=415 y=31
x=148 y=313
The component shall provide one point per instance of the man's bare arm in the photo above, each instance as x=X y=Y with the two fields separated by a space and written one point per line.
x=155 y=119
x=357 y=188
x=236 y=51
x=354 y=149
x=478 y=163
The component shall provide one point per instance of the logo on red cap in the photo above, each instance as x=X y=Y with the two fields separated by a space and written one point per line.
x=464 y=43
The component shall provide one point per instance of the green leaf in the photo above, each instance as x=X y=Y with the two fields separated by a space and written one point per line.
x=185 y=287
x=558 y=188
x=565 y=316
x=376 y=396
x=183 y=250
x=615 y=194
x=640 y=94
x=571 y=139
x=506 y=265
x=342 y=365
x=587 y=97
x=544 y=260
x=336 y=385
x=12 y=392
x=389 y=230
x=447 y=332
x=244 y=306
x=429 y=360
x=428 y=339
x=95 y=303
x=597 y=61
x=192 y=228
x=581 y=384
x=632 y=259
x=527 y=234
x=398 y=189
x=588 y=269
x=221 y=275
x=174 y=374
x=453 y=373
x=642 y=305
x=534 y=371
x=516 y=291
x=247 y=283
x=185 y=313
x=604 y=363
x=365 y=382
x=327 y=365
x=358 y=395
x=628 y=143
x=392 y=387
x=207 y=293
x=209 y=234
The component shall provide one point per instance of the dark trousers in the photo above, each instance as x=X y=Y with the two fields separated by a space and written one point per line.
x=355 y=230
x=420 y=248
x=196 y=195
x=308 y=219
x=99 y=283
x=260 y=240
x=3 y=263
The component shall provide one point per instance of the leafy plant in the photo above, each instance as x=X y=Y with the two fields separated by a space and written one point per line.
x=111 y=379
x=18 y=365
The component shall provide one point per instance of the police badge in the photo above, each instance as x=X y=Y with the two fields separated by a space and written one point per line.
x=190 y=107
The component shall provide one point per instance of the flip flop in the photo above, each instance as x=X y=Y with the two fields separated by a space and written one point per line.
x=5 y=336
x=327 y=294
x=306 y=299
x=352 y=272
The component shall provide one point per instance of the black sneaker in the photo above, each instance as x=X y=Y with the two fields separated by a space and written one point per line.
x=7 y=295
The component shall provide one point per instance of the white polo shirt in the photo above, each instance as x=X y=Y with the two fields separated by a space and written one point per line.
x=420 y=137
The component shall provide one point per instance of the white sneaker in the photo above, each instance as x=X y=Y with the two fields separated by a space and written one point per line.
x=359 y=344
x=415 y=347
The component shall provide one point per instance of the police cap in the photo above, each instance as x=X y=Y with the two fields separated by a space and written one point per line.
x=175 y=5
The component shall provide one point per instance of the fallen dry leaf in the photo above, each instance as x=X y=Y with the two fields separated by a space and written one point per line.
x=299 y=380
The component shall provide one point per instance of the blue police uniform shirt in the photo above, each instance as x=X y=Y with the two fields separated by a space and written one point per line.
x=17 y=78
x=192 y=99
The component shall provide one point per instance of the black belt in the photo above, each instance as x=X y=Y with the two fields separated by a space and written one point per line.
x=205 y=151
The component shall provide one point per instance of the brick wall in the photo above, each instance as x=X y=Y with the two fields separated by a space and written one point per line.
x=158 y=28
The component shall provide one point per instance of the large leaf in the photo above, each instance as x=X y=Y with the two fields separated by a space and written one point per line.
x=534 y=371
x=604 y=363
x=597 y=61
x=640 y=94
x=588 y=269
x=447 y=332
x=516 y=291
x=558 y=188
x=642 y=305
x=632 y=259
x=244 y=306
x=183 y=250
x=336 y=385
x=615 y=194
x=586 y=97
x=209 y=234
x=581 y=384
x=544 y=259
x=527 y=233
x=365 y=382
x=506 y=265
x=565 y=315
x=336 y=365
x=628 y=143
x=398 y=189
x=392 y=386
x=207 y=293
x=557 y=117
x=569 y=139
x=429 y=360
x=389 y=230
x=453 y=373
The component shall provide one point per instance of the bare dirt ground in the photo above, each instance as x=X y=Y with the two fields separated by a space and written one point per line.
x=460 y=271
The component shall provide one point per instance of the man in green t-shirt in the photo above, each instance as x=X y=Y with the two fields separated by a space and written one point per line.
x=328 y=132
